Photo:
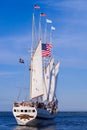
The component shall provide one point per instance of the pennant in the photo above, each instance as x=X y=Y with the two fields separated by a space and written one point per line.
x=42 y=14
x=52 y=28
x=36 y=6
x=48 y=21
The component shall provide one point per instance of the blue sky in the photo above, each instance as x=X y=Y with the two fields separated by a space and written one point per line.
x=69 y=45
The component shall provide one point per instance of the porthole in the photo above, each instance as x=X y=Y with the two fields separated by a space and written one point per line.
x=33 y=110
x=25 y=110
x=21 y=110
x=14 y=110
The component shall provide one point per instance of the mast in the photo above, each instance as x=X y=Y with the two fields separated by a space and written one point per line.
x=39 y=37
x=33 y=31
x=45 y=33
x=32 y=49
x=51 y=34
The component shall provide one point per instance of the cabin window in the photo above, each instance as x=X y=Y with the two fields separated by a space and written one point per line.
x=25 y=110
x=14 y=110
x=33 y=110
x=21 y=110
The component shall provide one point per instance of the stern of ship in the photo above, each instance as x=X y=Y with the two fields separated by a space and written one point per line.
x=24 y=113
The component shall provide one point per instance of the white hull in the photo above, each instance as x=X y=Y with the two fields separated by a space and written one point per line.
x=26 y=115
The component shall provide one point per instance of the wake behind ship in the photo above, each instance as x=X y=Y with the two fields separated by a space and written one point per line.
x=43 y=82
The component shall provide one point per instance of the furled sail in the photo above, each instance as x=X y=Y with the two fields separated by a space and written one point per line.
x=36 y=88
x=47 y=78
x=53 y=84
x=56 y=74
x=57 y=68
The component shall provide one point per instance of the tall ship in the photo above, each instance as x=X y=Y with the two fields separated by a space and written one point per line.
x=43 y=103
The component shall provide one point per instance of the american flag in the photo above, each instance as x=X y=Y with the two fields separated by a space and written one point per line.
x=42 y=14
x=36 y=6
x=46 y=49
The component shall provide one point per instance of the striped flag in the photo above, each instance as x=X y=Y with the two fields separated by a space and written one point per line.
x=36 y=6
x=42 y=14
x=49 y=45
x=46 y=49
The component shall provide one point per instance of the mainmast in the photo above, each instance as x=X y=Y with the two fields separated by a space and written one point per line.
x=51 y=33
x=33 y=32
x=32 y=46
x=32 y=50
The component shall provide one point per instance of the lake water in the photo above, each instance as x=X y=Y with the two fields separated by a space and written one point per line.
x=63 y=121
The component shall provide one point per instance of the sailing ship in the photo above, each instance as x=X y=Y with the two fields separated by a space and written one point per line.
x=43 y=102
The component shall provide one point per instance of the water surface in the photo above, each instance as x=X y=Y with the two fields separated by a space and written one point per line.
x=63 y=121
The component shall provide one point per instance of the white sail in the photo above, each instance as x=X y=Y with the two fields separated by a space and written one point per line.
x=57 y=68
x=51 y=64
x=47 y=78
x=36 y=73
x=52 y=86
x=56 y=74
x=54 y=81
x=46 y=82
